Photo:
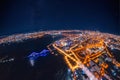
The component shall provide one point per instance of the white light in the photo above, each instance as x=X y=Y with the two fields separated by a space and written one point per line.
x=69 y=70
x=32 y=62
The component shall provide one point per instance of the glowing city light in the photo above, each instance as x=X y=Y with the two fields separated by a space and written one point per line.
x=89 y=51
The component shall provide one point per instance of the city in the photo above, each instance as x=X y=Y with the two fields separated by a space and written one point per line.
x=89 y=55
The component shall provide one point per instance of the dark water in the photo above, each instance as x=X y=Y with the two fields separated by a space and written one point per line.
x=45 y=67
x=116 y=54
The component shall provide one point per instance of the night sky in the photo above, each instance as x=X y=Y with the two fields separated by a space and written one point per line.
x=18 y=16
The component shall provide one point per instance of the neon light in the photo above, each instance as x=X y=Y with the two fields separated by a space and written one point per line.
x=34 y=55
